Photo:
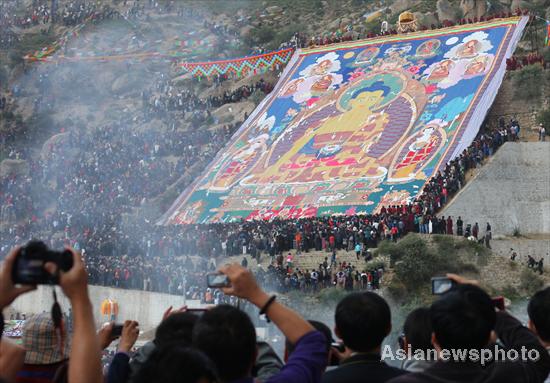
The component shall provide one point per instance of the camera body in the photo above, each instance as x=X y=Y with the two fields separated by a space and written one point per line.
x=29 y=264
x=440 y=285
x=217 y=280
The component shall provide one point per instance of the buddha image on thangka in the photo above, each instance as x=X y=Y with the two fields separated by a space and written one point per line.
x=349 y=135
x=348 y=128
x=353 y=132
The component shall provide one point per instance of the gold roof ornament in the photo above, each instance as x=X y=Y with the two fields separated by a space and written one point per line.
x=407 y=22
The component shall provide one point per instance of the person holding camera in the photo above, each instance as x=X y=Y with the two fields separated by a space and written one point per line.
x=463 y=320
x=11 y=357
x=362 y=321
x=227 y=336
x=85 y=354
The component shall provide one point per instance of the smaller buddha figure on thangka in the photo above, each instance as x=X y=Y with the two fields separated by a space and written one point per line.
x=469 y=49
x=243 y=155
x=442 y=70
x=428 y=48
x=478 y=66
x=416 y=152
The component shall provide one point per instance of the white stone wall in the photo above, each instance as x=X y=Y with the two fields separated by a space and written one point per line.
x=145 y=307
x=511 y=191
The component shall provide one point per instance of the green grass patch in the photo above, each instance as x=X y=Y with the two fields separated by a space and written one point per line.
x=416 y=259
x=527 y=82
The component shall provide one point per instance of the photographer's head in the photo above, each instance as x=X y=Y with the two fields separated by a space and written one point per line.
x=418 y=330
x=463 y=318
x=177 y=363
x=363 y=320
x=227 y=335
x=539 y=315
x=177 y=328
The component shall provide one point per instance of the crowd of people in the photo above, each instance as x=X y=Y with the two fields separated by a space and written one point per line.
x=118 y=170
x=15 y=13
x=516 y=63
x=462 y=336
x=85 y=198
x=168 y=98
x=36 y=13
x=283 y=276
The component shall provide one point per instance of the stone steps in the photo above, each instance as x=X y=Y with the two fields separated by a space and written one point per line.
x=308 y=261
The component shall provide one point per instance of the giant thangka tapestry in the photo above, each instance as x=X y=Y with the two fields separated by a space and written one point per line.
x=355 y=126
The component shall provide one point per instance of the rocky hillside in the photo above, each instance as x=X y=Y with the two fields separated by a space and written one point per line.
x=54 y=98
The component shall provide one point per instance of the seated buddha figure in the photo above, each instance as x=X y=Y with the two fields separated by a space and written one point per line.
x=337 y=147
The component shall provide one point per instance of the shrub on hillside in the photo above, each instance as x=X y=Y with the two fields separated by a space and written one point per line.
x=415 y=263
x=260 y=36
x=530 y=281
x=331 y=295
x=375 y=265
x=29 y=43
x=546 y=54
x=415 y=270
x=412 y=244
x=510 y=292
x=527 y=82
x=3 y=75
x=396 y=289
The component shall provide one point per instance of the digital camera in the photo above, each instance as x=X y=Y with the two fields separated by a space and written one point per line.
x=29 y=264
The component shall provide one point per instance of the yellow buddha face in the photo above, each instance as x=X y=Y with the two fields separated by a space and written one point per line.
x=368 y=99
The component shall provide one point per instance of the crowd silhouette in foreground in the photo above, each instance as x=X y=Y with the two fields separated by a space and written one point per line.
x=453 y=340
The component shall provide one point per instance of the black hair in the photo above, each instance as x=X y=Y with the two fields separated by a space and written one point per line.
x=463 y=318
x=227 y=335
x=319 y=326
x=363 y=320
x=418 y=329
x=177 y=328
x=176 y=363
x=539 y=313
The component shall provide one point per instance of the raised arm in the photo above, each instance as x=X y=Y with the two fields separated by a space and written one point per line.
x=243 y=285
x=308 y=361
x=8 y=291
x=11 y=355
x=85 y=357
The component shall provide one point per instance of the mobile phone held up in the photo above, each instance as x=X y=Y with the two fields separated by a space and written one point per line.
x=116 y=331
x=217 y=280
x=30 y=260
x=440 y=285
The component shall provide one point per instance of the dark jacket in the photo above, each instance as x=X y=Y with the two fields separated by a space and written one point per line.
x=362 y=368
x=119 y=369
x=511 y=332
